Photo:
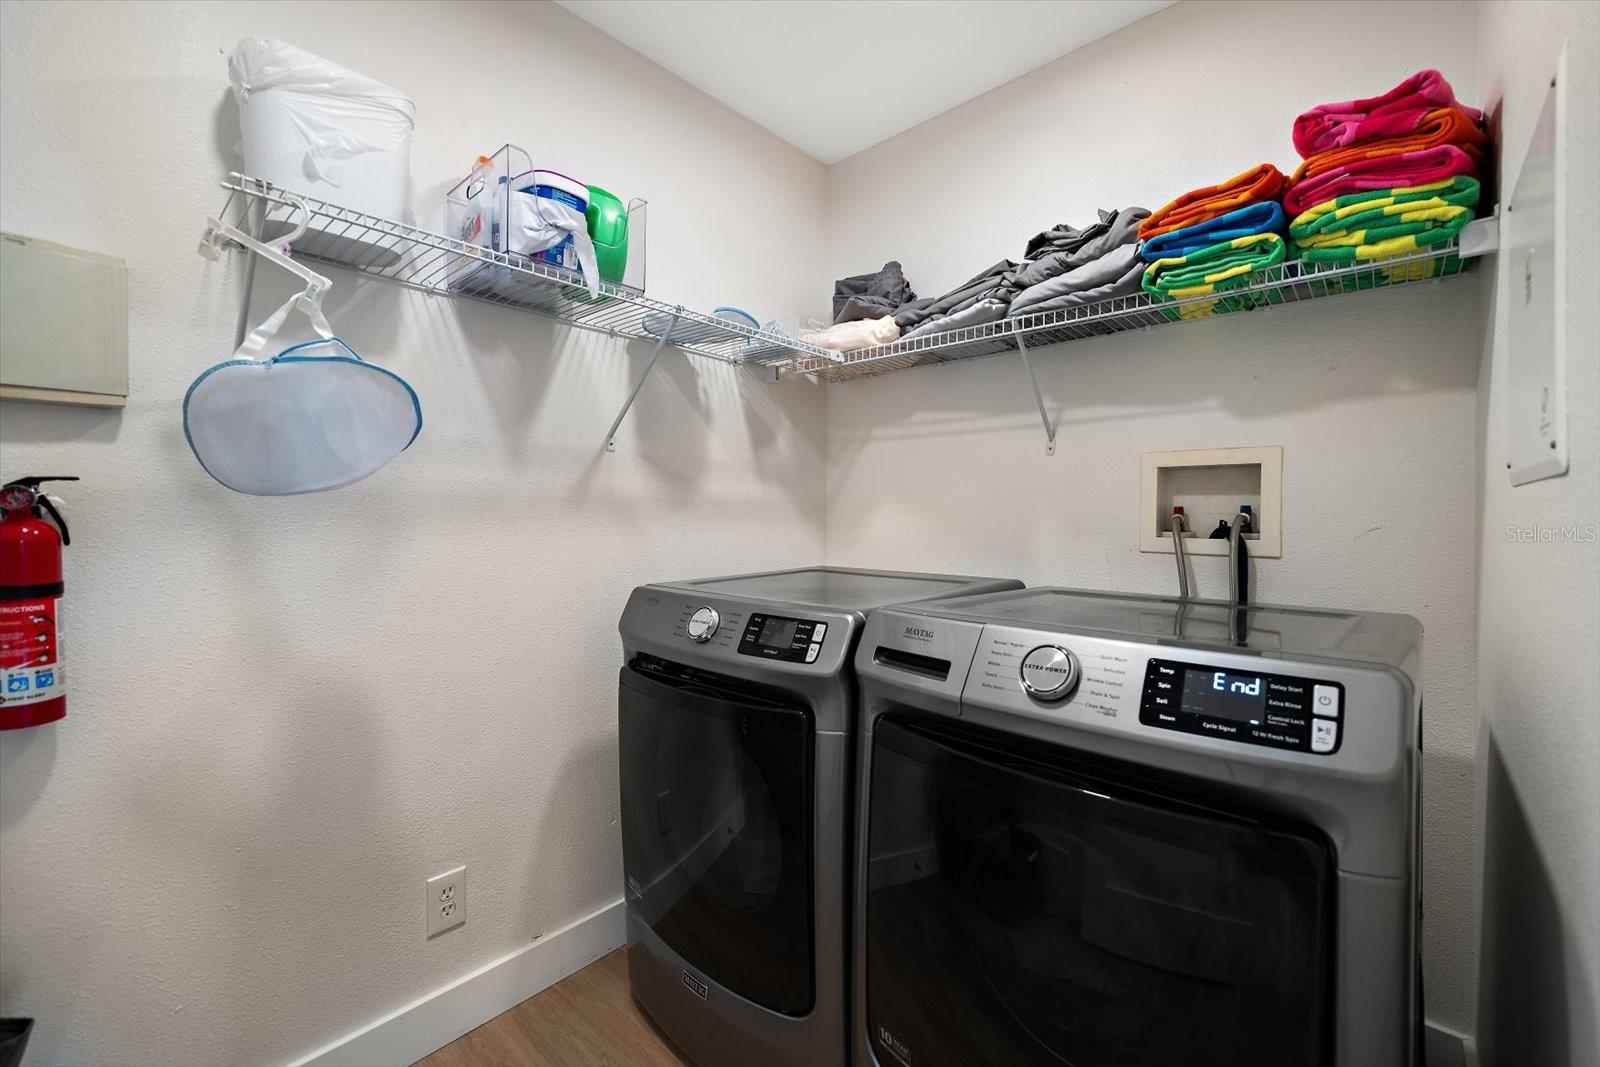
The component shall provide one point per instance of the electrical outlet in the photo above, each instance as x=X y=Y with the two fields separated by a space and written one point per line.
x=445 y=897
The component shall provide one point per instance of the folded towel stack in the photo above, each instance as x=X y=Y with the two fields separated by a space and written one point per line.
x=1211 y=240
x=1264 y=182
x=1220 y=269
x=1386 y=176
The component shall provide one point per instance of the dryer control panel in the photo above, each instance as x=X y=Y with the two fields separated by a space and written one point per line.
x=1246 y=706
x=782 y=638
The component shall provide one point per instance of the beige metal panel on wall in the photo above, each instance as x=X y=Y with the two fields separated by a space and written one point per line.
x=63 y=323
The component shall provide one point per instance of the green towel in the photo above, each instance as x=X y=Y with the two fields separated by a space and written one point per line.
x=1180 y=281
x=1385 y=223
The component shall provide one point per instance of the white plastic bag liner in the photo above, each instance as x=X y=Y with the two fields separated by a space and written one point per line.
x=313 y=127
x=314 y=417
x=540 y=222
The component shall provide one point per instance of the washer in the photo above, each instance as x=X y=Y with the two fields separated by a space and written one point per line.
x=1120 y=831
x=736 y=716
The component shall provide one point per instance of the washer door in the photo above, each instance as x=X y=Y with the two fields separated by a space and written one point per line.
x=717 y=826
x=1027 y=904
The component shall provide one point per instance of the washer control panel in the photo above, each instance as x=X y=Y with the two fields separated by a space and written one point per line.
x=1049 y=672
x=781 y=638
x=1245 y=706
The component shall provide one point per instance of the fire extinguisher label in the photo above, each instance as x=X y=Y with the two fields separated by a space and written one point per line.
x=31 y=651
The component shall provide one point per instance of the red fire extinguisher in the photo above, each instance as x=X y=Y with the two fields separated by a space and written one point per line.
x=32 y=687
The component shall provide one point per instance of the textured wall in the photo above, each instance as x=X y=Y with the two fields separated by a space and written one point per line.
x=1539 y=602
x=1372 y=397
x=287 y=713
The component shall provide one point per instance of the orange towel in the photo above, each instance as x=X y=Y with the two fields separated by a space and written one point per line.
x=1447 y=125
x=1258 y=183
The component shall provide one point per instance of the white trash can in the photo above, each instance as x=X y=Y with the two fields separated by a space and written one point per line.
x=314 y=127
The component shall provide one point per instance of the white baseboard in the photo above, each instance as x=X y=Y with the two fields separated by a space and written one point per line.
x=407 y=1035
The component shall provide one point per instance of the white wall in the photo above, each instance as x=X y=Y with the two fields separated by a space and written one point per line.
x=287 y=713
x=1373 y=397
x=1539 y=602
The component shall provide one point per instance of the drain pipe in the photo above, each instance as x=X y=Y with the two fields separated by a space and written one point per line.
x=1239 y=571
x=1239 y=558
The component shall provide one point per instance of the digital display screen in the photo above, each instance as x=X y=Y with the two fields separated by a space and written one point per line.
x=1276 y=710
x=1225 y=695
x=778 y=633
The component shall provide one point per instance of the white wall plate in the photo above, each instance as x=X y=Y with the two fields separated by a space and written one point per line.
x=1533 y=269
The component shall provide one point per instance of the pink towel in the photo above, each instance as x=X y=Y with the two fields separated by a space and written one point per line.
x=1395 y=113
x=1399 y=171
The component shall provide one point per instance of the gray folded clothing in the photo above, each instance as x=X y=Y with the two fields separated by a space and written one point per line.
x=985 y=309
x=908 y=315
x=871 y=296
x=1116 y=229
x=1117 y=273
x=1065 y=237
x=994 y=282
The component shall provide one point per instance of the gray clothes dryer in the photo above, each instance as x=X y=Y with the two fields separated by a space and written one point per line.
x=736 y=714
x=1121 y=831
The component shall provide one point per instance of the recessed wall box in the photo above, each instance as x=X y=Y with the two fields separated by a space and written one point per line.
x=1210 y=484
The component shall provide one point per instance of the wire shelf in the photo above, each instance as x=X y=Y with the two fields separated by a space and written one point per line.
x=1284 y=283
x=433 y=263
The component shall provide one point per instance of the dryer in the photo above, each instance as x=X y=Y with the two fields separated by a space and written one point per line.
x=736 y=715
x=1121 y=831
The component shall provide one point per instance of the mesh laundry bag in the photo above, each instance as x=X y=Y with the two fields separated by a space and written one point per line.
x=314 y=417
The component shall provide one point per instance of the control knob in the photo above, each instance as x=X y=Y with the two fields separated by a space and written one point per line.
x=1049 y=672
x=703 y=625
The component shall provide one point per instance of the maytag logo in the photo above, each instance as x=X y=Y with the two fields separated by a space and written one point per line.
x=918 y=633
x=893 y=1045
x=694 y=985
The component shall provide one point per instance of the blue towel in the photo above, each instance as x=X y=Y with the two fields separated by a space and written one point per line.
x=1265 y=216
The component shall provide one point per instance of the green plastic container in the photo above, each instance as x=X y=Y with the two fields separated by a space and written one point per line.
x=608 y=226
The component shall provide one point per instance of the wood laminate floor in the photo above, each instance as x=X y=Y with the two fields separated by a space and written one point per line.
x=588 y=1019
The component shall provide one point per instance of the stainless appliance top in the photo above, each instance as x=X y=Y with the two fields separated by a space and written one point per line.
x=1371 y=638
x=841 y=588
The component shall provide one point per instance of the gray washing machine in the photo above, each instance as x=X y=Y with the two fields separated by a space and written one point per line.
x=1122 y=831
x=736 y=715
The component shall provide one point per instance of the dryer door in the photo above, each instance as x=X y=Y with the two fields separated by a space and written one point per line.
x=717 y=826
x=1027 y=904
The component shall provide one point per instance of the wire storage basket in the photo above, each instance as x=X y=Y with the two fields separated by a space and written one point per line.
x=506 y=204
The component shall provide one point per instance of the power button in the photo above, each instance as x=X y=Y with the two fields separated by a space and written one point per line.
x=1325 y=701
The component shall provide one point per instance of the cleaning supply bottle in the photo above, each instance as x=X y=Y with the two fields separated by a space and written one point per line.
x=607 y=219
x=476 y=224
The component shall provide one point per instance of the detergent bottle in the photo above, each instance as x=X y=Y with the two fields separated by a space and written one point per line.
x=608 y=226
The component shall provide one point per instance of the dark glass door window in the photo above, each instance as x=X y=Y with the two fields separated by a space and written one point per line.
x=717 y=827
x=1031 y=905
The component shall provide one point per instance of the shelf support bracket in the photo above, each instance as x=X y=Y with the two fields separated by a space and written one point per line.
x=1038 y=397
x=655 y=354
x=252 y=223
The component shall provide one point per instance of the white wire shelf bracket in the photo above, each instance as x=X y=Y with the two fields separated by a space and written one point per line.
x=434 y=263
